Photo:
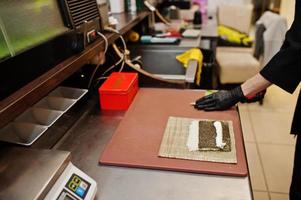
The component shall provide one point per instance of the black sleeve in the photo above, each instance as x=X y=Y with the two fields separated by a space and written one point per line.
x=284 y=69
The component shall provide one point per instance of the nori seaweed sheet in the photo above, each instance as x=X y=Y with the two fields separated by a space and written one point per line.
x=207 y=134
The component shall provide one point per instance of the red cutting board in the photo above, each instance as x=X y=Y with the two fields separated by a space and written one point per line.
x=136 y=141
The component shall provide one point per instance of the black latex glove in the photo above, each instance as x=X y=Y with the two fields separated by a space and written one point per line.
x=221 y=100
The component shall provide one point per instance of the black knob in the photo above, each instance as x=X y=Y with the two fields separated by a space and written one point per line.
x=197 y=19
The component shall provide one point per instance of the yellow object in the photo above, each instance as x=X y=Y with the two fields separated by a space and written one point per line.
x=234 y=36
x=195 y=54
x=133 y=36
x=208 y=92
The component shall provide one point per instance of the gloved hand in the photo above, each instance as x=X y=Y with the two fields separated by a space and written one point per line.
x=221 y=100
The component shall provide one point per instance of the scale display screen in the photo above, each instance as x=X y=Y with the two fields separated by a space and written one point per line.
x=27 y=23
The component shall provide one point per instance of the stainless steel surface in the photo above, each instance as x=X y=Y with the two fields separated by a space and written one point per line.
x=136 y=184
x=190 y=42
x=189 y=76
x=28 y=174
x=191 y=71
x=87 y=140
x=160 y=59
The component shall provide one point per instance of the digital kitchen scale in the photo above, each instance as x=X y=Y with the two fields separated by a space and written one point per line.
x=73 y=184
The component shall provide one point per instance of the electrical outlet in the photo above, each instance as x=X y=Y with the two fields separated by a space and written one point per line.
x=91 y=36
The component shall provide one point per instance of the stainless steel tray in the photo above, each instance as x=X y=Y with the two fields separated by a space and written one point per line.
x=56 y=103
x=39 y=116
x=21 y=133
x=31 y=124
x=67 y=92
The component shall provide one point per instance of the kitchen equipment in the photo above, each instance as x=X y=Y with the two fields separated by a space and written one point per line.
x=33 y=123
x=83 y=16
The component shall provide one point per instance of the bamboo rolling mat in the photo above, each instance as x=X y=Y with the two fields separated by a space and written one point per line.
x=173 y=144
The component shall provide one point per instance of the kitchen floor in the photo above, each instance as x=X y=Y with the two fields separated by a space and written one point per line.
x=270 y=147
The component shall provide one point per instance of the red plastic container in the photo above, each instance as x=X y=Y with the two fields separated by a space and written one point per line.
x=118 y=91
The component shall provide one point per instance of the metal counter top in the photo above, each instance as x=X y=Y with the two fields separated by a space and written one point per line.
x=86 y=141
x=29 y=173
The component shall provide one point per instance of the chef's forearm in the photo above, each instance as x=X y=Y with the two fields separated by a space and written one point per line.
x=254 y=85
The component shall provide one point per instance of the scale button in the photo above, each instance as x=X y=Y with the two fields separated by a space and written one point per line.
x=83 y=185
x=80 y=192
x=72 y=186
x=76 y=179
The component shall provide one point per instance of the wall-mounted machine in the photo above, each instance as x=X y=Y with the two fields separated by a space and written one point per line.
x=82 y=16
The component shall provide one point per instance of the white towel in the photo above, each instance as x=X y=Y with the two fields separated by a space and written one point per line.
x=276 y=27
